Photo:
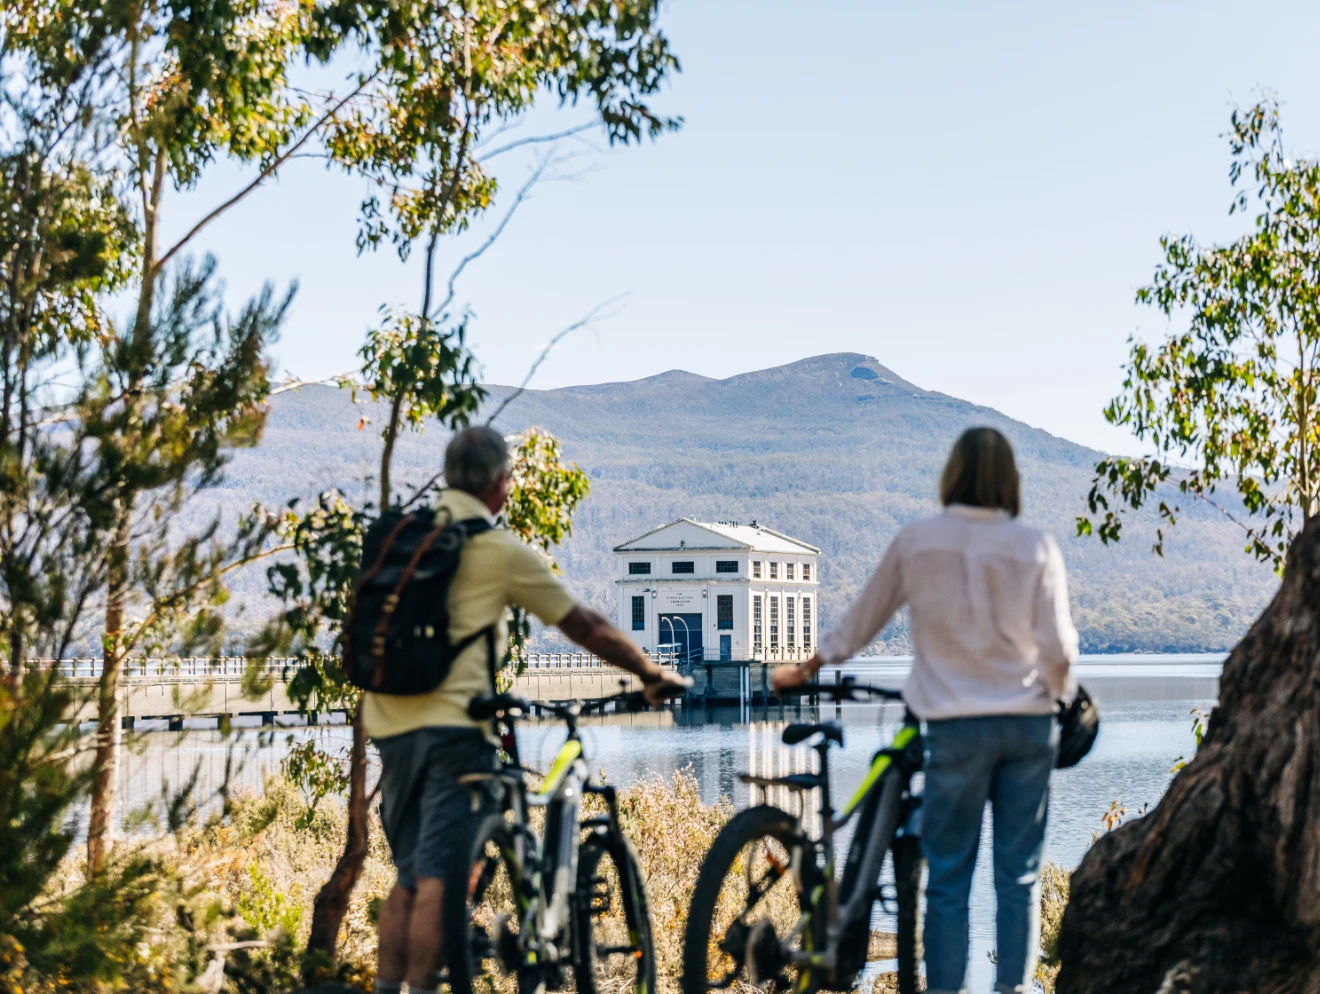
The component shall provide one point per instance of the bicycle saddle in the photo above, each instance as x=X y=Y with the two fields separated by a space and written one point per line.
x=487 y=706
x=793 y=781
x=802 y=730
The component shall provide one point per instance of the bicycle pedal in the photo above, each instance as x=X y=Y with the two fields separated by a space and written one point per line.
x=766 y=959
x=506 y=946
x=601 y=896
x=888 y=898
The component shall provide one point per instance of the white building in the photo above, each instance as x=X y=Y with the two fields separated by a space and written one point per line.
x=719 y=591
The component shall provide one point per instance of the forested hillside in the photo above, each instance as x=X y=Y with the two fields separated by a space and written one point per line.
x=836 y=450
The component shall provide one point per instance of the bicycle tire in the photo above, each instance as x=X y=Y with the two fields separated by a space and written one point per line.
x=590 y=915
x=474 y=943
x=908 y=864
x=744 y=829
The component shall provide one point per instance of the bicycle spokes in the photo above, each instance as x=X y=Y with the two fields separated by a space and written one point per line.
x=757 y=906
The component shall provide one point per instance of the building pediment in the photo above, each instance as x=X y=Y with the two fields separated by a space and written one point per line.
x=681 y=534
x=687 y=534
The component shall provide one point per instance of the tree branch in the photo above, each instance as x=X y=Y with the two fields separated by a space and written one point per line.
x=265 y=173
x=559 y=336
x=545 y=352
x=522 y=194
x=539 y=139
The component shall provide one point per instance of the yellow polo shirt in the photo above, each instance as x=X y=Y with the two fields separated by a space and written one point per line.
x=496 y=570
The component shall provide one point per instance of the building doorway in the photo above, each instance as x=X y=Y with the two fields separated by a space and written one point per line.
x=726 y=648
x=683 y=631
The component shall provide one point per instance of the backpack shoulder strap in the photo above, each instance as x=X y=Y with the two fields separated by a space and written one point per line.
x=471 y=527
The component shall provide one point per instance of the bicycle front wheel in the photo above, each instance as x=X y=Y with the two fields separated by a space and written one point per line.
x=612 y=947
x=483 y=905
x=743 y=923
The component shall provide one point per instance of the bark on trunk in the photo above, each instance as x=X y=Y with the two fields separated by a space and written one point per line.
x=1218 y=889
x=105 y=775
x=332 y=900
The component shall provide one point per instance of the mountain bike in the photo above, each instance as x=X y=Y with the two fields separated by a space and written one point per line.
x=521 y=911
x=767 y=904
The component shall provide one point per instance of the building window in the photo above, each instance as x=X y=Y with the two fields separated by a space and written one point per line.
x=687 y=567
x=806 y=623
x=639 y=614
x=639 y=569
x=724 y=612
x=788 y=571
x=774 y=571
x=790 y=622
x=806 y=571
x=756 y=570
x=774 y=623
x=726 y=566
x=756 y=623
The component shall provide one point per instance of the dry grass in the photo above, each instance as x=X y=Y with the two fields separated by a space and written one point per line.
x=1053 y=899
x=267 y=868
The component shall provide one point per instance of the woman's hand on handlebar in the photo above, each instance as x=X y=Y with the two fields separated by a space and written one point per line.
x=791 y=675
x=667 y=684
x=788 y=677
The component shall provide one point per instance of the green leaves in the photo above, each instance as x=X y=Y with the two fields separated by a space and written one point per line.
x=423 y=369
x=544 y=492
x=1230 y=400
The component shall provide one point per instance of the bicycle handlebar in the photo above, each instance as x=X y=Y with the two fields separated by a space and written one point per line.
x=489 y=706
x=847 y=689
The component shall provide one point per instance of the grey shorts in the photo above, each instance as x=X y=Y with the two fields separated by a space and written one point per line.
x=424 y=809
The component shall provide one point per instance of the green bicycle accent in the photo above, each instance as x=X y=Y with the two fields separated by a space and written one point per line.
x=511 y=909
x=572 y=750
x=901 y=741
x=728 y=944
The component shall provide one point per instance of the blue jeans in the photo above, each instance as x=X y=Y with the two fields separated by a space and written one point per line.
x=1006 y=760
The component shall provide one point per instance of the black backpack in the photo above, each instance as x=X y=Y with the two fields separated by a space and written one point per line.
x=396 y=637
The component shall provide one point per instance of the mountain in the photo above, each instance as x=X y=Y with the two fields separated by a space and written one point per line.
x=837 y=450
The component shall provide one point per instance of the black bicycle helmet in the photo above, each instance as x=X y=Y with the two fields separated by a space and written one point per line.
x=1079 y=724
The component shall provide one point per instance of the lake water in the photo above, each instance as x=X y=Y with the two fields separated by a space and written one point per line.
x=1146 y=725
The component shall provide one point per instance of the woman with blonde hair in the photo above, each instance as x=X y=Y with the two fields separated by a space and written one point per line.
x=993 y=644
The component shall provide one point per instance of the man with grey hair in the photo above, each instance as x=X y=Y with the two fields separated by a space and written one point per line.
x=427 y=741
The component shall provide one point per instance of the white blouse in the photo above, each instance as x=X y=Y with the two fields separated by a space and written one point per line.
x=988 y=604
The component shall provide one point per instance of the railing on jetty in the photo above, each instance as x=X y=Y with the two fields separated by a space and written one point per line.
x=198 y=668
x=585 y=660
x=207 y=668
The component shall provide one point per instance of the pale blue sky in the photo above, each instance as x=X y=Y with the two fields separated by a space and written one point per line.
x=970 y=192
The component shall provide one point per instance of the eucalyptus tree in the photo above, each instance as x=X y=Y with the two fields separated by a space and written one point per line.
x=1228 y=400
x=453 y=78
x=177 y=86
x=1216 y=888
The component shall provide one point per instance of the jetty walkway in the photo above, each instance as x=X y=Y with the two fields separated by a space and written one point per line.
x=179 y=689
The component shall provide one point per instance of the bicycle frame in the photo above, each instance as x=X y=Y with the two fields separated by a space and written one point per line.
x=552 y=859
x=894 y=812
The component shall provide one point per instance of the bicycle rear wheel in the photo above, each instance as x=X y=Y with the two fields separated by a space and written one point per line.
x=482 y=915
x=746 y=905
x=612 y=947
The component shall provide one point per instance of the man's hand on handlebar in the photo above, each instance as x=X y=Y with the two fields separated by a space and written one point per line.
x=666 y=684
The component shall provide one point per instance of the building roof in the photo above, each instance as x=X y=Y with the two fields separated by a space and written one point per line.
x=713 y=535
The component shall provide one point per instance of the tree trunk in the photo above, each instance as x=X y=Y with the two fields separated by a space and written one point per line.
x=331 y=902
x=105 y=765
x=1218 y=889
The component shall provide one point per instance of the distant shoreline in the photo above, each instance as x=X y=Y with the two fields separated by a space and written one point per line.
x=1089 y=659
